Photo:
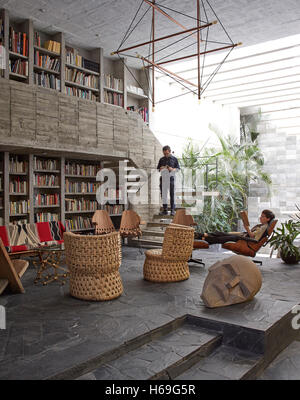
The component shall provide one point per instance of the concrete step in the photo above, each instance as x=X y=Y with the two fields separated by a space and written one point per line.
x=164 y=357
x=225 y=363
x=147 y=233
x=157 y=224
x=146 y=243
x=162 y=217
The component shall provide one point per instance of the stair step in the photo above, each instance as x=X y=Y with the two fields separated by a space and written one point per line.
x=225 y=363
x=145 y=242
x=162 y=217
x=163 y=357
x=157 y=224
x=151 y=233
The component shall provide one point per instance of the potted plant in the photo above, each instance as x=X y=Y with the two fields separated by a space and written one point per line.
x=283 y=241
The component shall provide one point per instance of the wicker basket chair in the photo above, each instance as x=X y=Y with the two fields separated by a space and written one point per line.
x=94 y=263
x=130 y=224
x=102 y=222
x=170 y=264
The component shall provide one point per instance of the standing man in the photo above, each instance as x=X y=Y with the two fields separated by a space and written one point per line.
x=168 y=166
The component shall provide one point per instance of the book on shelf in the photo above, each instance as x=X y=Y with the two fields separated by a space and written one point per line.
x=73 y=168
x=46 y=180
x=77 y=223
x=114 y=209
x=46 y=61
x=18 y=42
x=81 y=205
x=113 y=83
x=1 y=183
x=18 y=207
x=19 y=67
x=143 y=111
x=83 y=94
x=46 y=217
x=46 y=80
x=18 y=186
x=81 y=78
x=41 y=199
x=37 y=39
x=45 y=164
x=53 y=46
x=80 y=187
x=114 y=98
x=17 y=165
x=73 y=58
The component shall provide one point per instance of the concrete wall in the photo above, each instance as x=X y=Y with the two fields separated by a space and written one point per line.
x=37 y=118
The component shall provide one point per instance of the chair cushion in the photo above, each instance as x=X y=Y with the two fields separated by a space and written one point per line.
x=154 y=253
x=200 y=244
x=240 y=247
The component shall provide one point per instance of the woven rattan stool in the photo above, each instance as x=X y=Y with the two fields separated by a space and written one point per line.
x=169 y=264
x=94 y=263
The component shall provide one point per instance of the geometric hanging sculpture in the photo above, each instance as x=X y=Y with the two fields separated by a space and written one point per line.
x=189 y=37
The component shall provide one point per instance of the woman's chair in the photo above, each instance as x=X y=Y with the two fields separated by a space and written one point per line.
x=170 y=264
x=94 y=263
x=130 y=224
x=246 y=247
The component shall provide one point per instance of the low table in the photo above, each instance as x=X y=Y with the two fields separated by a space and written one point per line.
x=49 y=268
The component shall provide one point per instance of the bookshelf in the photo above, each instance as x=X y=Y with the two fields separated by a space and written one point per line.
x=19 y=50
x=48 y=61
x=113 y=82
x=18 y=189
x=46 y=189
x=80 y=194
x=136 y=99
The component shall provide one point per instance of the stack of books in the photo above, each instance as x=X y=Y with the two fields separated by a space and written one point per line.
x=53 y=46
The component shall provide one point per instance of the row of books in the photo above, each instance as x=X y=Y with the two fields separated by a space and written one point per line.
x=83 y=94
x=115 y=209
x=18 y=186
x=46 y=217
x=46 y=180
x=46 y=199
x=77 y=223
x=45 y=164
x=18 y=42
x=1 y=183
x=81 y=169
x=73 y=58
x=114 y=98
x=18 y=207
x=113 y=83
x=46 y=80
x=115 y=193
x=143 y=111
x=46 y=61
x=17 y=165
x=81 y=78
x=18 y=67
x=81 y=205
x=80 y=187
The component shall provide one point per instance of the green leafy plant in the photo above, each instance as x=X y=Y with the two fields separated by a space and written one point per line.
x=283 y=240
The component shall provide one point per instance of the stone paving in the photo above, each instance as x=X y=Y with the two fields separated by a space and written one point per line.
x=49 y=332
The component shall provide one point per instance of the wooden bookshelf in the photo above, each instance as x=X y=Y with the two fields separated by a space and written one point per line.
x=47 y=52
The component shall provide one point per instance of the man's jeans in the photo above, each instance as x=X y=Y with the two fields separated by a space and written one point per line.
x=167 y=184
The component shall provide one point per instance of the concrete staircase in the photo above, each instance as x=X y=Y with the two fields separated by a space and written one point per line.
x=180 y=350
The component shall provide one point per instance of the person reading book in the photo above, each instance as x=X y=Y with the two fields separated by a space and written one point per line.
x=254 y=234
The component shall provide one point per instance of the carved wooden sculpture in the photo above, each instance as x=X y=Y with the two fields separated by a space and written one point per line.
x=233 y=280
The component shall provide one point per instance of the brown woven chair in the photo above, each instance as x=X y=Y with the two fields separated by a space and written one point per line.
x=248 y=248
x=94 y=263
x=102 y=222
x=130 y=224
x=182 y=218
x=170 y=264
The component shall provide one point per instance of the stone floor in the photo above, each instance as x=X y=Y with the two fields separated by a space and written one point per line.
x=49 y=332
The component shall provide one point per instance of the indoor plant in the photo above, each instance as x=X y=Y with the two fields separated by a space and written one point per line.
x=283 y=241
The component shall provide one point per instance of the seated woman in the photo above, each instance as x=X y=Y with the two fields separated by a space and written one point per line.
x=255 y=234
